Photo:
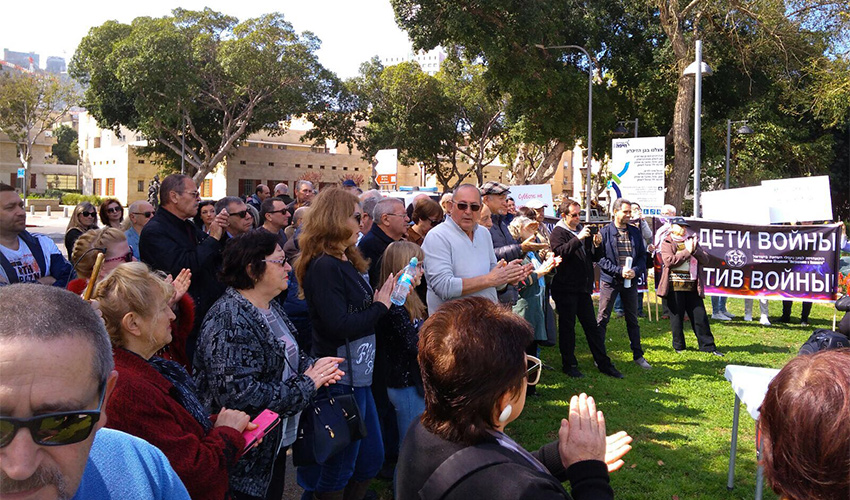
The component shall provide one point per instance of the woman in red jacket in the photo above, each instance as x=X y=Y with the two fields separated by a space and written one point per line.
x=155 y=398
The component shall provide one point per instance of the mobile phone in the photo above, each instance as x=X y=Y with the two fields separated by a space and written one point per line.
x=266 y=421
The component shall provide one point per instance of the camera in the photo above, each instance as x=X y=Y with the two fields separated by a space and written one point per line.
x=594 y=229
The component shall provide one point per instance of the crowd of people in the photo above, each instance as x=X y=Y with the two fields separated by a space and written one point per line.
x=205 y=314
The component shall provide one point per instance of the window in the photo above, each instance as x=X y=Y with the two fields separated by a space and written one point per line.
x=96 y=185
x=345 y=168
x=206 y=188
x=141 y=162
x=110 y=187
x=32 y=181
x=321 y=167
x=242 y=162
x=247 y=186
x=140 y=185
x=297 y=165
x=333 y=167
x=281 y=146
x=309 y=166
x=271 y=163
x=356 y=169
x=60 y=181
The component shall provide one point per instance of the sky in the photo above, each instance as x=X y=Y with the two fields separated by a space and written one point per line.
x=351 y=31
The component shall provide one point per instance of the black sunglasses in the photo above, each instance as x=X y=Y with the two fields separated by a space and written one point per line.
x=241 y=214
x=357 y=217
x=282 y=210
x=54 y=429
x=112 y=210
x=463 y=206
x=127 y=257
x=147 y=215
x=88 y=214
x=434 y=222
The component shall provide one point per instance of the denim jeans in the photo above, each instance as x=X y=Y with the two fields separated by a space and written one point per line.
x=408 y=405
x=360 y=461
x=718 y=304
x=608 y=292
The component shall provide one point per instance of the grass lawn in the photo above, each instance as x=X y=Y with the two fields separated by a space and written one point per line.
x=680 y=412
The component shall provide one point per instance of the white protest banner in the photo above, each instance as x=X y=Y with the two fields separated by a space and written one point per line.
x=637 y=165
x=742 y=205
x=801 y=199
x=524 y=194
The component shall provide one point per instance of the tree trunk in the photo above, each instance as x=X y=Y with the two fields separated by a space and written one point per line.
x=682 y=149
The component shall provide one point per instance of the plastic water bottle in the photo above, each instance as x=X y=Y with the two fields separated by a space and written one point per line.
x=627 y=283
x=402 y=286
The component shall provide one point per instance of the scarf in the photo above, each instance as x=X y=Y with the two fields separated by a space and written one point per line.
x=185 y=388
x=692 y=262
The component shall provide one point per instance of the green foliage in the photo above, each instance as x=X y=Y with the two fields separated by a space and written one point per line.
x=66 y=150
x=76 y=199
x=199 y=77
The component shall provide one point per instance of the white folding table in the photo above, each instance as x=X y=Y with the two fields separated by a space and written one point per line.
x=750 y=386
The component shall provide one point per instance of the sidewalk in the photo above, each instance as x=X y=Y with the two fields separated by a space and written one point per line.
x=52 y=226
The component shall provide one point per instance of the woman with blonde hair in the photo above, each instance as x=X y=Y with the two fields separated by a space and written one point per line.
x=344 y=314
x=113 y=244
x=398 y=336
x=83 y=218
x=156 y=399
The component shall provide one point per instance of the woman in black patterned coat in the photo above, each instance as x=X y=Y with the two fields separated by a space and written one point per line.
x=248 y=359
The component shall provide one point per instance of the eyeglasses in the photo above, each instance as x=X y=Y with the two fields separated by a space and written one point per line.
x=112 y=210
x=398 y=215
x=241 y=214
x=147 y=215
x=127 y=257
x=573 y=216
x=193 y=194
x=434 y=222
x=535 y=368
x=282 y=262
x=88 y=214
x=472 y=206
x=359 y=217
x=54 y=429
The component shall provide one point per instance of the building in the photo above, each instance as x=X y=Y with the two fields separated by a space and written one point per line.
x=429 y=61
x=44 y=172
x=26 y=60
x=55 y=65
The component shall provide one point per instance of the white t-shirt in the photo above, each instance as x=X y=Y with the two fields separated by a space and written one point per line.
x=23 y=261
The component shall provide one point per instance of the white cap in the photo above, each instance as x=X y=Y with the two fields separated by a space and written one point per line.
x=535 y=204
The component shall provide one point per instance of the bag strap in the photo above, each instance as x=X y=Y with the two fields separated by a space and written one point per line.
x=38 y=254
x=459 y=466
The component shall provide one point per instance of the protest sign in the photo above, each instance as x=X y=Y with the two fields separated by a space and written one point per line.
x=637 y=165
x=773 y=262
x=743 y=205
x=524 y=194
x=801 y=199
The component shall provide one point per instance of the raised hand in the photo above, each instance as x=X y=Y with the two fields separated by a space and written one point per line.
x=529 y=245
x=219 y=223
x=582 y=437
x=180 y=284
x=616 y=446
x=385 y=292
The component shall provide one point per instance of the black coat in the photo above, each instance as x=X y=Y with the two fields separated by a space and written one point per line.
x=514 y=479
x=507 y=248
x=372 y=246
x=575 y=273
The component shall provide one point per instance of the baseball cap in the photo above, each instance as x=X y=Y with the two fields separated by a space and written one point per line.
x=679 y=221
x=536 y=204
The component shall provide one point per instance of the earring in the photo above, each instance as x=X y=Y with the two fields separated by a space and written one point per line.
x=506 y=414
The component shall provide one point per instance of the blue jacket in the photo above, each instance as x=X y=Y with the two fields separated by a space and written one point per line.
x=609 y=264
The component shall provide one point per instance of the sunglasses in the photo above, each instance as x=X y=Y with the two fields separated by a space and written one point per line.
x=472 y=206
x=573 y=216
x=127 y=257
x=147 y=215
x=535 y=368
x=282 y=210
x=113 y=210
x=241 y=214
x=54 y=429
x=88 y=214
x=434 y=222
x=358 y=217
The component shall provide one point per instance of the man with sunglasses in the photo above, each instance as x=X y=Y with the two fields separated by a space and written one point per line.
x=239 y=218
x=57 y=378
x=275 y=218
x=459 y=255
x=27 y=257
x=572 y=289
x=140 y=213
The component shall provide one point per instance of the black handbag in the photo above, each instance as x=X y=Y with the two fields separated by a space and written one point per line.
x=327 y=426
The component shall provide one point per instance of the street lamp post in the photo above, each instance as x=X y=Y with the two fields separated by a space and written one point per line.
x=589 y=118
x=621 y=129
x=697 y=68
x=743 y=130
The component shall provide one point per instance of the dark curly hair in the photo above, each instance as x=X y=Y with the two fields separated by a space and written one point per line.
x=244 y=252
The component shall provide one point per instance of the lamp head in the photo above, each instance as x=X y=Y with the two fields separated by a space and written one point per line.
x=692 y=69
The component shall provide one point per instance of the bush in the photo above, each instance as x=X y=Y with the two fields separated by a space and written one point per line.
x=76 y=199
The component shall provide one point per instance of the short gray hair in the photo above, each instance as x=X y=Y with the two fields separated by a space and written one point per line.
x=299 y=214
x=42 y=313
x=368 y=206
x=668 y=210
x=301 y=182
x=619 y=202
x=281 y=187
x=385 y=206
x=226 y=201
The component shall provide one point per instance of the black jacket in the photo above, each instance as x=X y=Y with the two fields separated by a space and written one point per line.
x=609 y=264
x=575 y=273
x=372 y=246
x=507 y=248
x=171 y=244
x=514 y=479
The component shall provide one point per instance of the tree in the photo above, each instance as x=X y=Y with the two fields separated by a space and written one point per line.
x=202 y=81
x=30 y=104
x=65 y=149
